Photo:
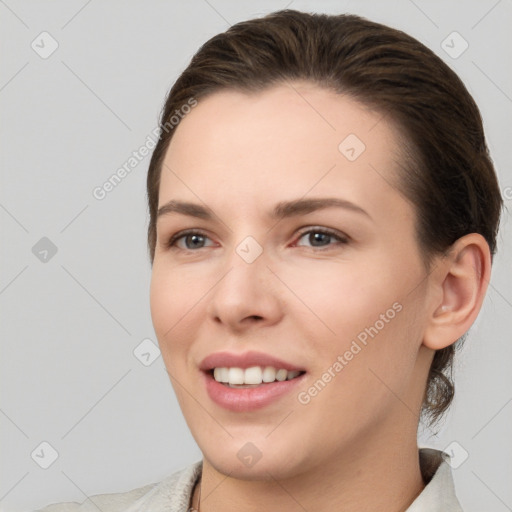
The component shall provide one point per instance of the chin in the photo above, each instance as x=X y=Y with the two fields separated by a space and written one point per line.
x=259 y=459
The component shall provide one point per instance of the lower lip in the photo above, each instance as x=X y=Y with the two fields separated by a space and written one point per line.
x=248 y=399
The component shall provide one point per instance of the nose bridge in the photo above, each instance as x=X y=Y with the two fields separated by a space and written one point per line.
x=246 y=272
x=246 y=290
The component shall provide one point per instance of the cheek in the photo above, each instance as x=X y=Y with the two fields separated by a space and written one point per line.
x=361 y=312
x=173 y=298
x=341 y=298
x=172 y=302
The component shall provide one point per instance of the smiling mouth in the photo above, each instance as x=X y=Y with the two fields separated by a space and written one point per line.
x=235 y=377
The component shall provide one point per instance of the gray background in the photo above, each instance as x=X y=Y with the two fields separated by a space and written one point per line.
x=70 y=323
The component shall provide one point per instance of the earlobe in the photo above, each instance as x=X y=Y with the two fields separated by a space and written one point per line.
x=459 y=287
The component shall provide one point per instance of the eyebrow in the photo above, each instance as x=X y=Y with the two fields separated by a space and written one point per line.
x=282 y=210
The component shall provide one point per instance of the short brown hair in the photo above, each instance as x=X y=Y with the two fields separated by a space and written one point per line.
x=446 y=171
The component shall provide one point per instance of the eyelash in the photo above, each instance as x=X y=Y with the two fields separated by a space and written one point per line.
x=342 y=239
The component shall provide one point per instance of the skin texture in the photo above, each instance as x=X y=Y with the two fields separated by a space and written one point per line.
x=353 y=446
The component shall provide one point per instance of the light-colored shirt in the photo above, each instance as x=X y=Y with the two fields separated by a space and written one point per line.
x=173 y=494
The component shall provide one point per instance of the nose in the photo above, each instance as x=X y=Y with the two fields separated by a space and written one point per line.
x=247 y=295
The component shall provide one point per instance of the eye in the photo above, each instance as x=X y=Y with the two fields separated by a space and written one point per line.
x=190 y=240
x=320 y=237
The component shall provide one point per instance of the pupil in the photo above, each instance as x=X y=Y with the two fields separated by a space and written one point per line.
x=195 y=241
x=317 y=239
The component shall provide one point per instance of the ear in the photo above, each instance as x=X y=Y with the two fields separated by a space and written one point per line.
x=459 y=283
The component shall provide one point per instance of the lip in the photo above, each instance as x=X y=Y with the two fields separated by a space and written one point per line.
x=247 y=399
x=245 y=360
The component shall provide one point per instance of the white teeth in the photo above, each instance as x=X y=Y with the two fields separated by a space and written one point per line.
x=236 y=376
x=221 y=374
x=281 y=375
x=255 y=375
x=269 y=374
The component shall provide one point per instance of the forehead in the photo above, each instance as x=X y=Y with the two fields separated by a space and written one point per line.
x=288 y=140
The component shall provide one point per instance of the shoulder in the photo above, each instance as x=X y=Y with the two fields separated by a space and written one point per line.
x=439 y=492
x=174 y=491
x=106 y=502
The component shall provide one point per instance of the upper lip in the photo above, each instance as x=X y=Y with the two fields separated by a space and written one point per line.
x=245 y=360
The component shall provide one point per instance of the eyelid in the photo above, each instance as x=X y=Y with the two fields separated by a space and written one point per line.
x=171 y=243
x=340 y=236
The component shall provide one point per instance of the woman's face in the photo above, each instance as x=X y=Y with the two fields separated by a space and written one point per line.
x=304 y=251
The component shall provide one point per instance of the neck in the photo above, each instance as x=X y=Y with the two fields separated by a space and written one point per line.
x=379 y=475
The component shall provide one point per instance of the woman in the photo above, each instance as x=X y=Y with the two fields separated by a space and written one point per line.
x=323 y=216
